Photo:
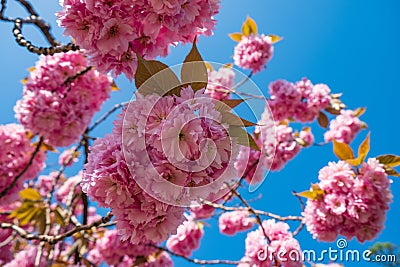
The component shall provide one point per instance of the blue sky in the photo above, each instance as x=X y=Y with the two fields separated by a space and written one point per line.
x=350 y=45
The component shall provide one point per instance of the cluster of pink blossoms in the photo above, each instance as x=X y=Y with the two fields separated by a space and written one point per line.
x=353 y=204
x=344 y=127
x=58 y=110
x=230 y=223
x=202 y=211
x=162 y=148
x=26 y=258
x=301 y=101
x=113 y=32
x=187 y=238
x=283 y=250
x=111 y=250
x=220 y=82
x=253 y=52
x=68 y=157
x=274 y=152
x=16 y=151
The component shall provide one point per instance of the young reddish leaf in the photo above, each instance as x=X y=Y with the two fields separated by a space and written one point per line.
x=153 y=76
x=359 y=111
x=275 y=38
x=30 y=194
x=236 y=36
x=249 y=27
x=243 y=137
x=323 y=120
x=342 y=150
x=194 y=70
x=389 y=160
x=24 y=80
x=227 y=65
x=314 y=193
x=363 y=149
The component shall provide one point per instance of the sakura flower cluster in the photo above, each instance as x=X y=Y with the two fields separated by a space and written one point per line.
x=187 y=238
x=178 y=148
x=68 y=157
x=352 y=204
x=16 y=152
x=235 y=221
x=253 y=52
x=344 y=127
x=57 y=108
x=203 y=211
x=113 y=32
x=107 y=180
x=111 y=250
x=282 y=250
x=220 y=83
x=278 y=144
x=301 y=101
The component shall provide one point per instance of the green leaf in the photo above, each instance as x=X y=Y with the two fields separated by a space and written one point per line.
x=243 y=137
x=194 y=70
x=323 y=120
x=30 y=194
x=275 y=38
x=389 y=160
x=236 y=36
x=359 y=111
x=249 y=27
x=342 y=150
x=314 y=193
x=153 y=76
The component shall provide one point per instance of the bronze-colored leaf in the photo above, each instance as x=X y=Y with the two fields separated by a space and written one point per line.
x=236 y=36
x=342 y=150
x=275 y=38
x=154 y=77
x=114 y=86
x=323 y=120
x=30 y=194
x=359 y=111
x=243 y=137
x=232 y=102
x=389 y=160
x=314 y=193
x=194 y=70
x=249 y=27
x=364 y=148
x=391 y=172
x=234 y=120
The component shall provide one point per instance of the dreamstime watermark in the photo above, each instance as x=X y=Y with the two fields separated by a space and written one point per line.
x=341 y=253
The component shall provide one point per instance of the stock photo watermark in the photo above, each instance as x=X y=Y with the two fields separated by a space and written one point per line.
x=340 y=253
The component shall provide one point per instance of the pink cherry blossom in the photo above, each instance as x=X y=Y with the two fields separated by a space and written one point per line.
x=232 y=222
x=113 y=32
x=220 y=83
x=186 y=239
x=253 y=52
x=68 y=157
x=344 y=127
x=353 y=204
x=16 y=151
x=56 y=109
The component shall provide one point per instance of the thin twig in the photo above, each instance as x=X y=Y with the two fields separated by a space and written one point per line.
x=107 y=114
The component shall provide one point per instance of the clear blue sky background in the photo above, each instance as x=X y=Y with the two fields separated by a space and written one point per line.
x=350 y=45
